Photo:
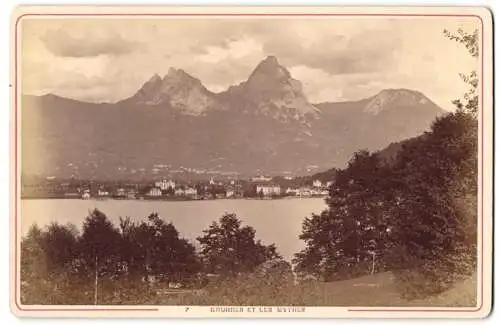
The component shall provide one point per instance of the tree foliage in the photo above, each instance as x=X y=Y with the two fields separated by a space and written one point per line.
x=227 y=248
x=471 y=43
x=60 y=266
x=416 y=213
x=436 y=232
x=153 y=247
x=33 y=260
x=116 y=265
x=343 y=240
x=99 y=245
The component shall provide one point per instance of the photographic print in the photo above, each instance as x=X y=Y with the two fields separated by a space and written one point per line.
x=251 y=161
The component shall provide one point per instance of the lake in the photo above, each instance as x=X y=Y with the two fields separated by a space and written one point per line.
x=275 y=221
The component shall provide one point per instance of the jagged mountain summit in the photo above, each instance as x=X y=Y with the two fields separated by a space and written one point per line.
x=271 y=90
x=178 y=90
x=263 y=125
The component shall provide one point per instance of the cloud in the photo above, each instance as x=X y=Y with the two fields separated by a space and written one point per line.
x=363 y=51
x=61 y=43
x=227 y=65
x=321 y=86
x=335 y=59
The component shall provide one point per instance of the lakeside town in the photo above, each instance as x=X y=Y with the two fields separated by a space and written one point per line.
x=259 y=187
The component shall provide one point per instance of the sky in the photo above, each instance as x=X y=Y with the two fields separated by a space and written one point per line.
x=335 y=58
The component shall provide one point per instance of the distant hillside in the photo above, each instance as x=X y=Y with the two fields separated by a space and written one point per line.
x=174 y=126
x=387 y=155
x=390 y=153
x=325 y=176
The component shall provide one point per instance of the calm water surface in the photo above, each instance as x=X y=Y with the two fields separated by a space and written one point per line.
x=275 y=221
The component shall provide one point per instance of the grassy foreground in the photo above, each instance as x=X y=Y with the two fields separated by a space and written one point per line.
x=372 y=290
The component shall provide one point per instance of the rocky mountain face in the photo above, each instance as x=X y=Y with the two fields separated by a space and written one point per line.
x=270 y=90
x=175 y=126
x=394 y=98
x=178 y=90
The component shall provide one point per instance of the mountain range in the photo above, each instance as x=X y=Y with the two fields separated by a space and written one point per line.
x=175 y=125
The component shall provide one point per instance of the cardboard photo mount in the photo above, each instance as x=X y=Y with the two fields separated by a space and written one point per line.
x=482 y=16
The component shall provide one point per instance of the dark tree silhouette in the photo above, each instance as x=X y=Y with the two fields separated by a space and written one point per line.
x=100 y=247
x=153 y=247
x=350 y=238
x=435 y=236
x=416 y=212
x=60 y=246
x=229 y=249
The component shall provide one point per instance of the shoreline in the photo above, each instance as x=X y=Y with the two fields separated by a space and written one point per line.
x=167 y=199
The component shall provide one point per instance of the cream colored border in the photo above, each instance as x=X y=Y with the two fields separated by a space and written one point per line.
x=485 y=163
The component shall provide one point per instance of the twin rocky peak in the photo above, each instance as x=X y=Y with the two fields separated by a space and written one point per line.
x=270 y=89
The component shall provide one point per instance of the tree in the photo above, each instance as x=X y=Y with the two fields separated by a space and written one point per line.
x=417 y=213
x=435 y=239
x=170 y=191
x=172 y=256
x=49 y=252
x=250 y=191
x=153 y=247
x=144 y=190
x=322 y=233
x=34 y=271
x=200 y=190
x=435 y=236
x=129 y=246
x=344 y=240
x=32 y=254
x=48 y=274
x=60 y=246
x=100 y=247
x=229 y=249
x=470 y=41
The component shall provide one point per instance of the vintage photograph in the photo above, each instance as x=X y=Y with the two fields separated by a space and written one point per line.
x=230 y=160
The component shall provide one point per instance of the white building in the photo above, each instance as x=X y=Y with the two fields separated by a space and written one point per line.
x=101 y=192
x=230 y=192
x=155 y=191
x=121 y=192
x=315 y=191
x=190 y=191
x=131 y=194
x=174 y=285
x=317 y=183
x=269 y=189
x=165 y=184
x=304 y=191
x=261 y=179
